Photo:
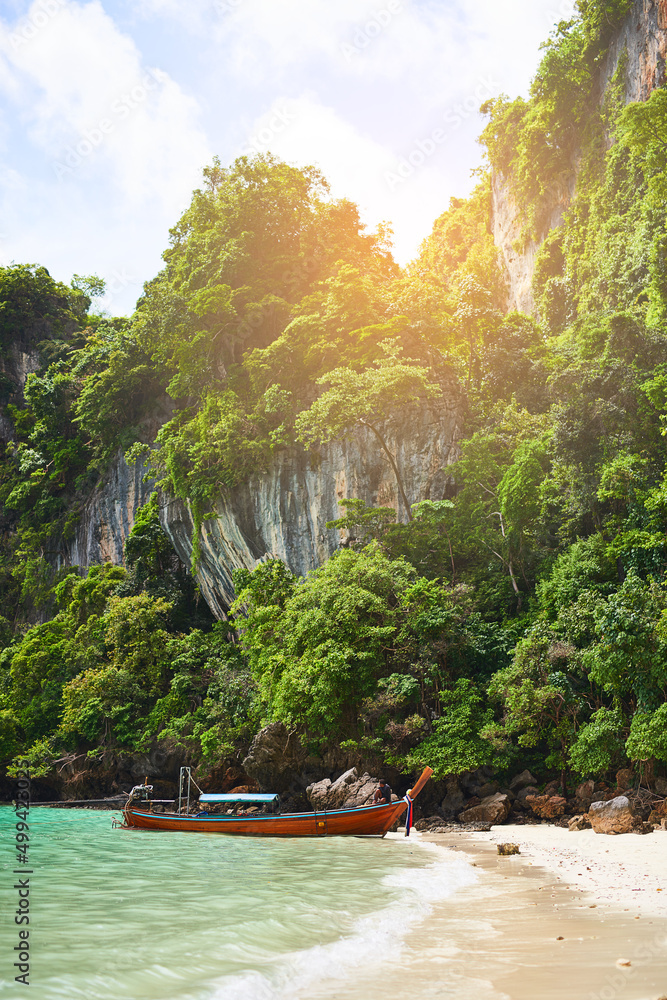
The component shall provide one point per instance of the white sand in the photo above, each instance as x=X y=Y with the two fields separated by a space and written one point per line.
x=575 y=916
x=625 y=872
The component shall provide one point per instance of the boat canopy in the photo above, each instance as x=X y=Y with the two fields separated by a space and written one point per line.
x=244 y=797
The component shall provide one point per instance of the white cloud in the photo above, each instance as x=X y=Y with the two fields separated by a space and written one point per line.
x=115 y=142
x=426 y=46
x=90 y=103
x=104 y=145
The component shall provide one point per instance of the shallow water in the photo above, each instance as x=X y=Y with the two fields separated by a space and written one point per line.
x=144 y=915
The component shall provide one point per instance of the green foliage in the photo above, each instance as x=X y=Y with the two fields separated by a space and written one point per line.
x=598 y=748
x=584 y=566
x=365 y=397
x=34 y=308
x=317 y=648
x=539 y=701
x=455 y=744
x=648 y=736
x=519 y=618
x=534 y=142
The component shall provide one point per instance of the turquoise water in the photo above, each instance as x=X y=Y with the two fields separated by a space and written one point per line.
x=140 y=915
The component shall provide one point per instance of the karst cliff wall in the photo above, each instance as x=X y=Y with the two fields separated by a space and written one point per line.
x=641 y=45
x=107 y=517
x=282 y=511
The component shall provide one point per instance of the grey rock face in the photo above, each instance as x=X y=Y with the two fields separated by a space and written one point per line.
x=643 y=36
x=494 y=809
x=509 y=221
x=108 y=517
x=522 y=780
x=283 y=511
x=349 y=791
x=16 y=363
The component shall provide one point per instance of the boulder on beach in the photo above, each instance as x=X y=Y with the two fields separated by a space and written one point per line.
x=546 y=806
x=493 y=809
x=520 y=800
x=346 y=792
x=614 y=816
x=507 y=850
x=578 y=823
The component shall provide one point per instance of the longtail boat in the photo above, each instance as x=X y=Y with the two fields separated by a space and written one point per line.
x=362 y=821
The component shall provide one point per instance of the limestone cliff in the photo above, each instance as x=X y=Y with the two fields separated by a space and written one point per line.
x=519 y=254
x=283 y=511
x=107 y=517
x=641 y=44
x=17 y=361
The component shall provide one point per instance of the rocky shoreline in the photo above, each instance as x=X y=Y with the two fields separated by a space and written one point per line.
x=277 y=761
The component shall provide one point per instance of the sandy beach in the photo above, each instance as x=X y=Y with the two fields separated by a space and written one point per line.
x=574 y=916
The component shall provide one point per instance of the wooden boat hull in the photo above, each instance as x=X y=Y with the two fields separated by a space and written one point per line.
x=364 y=821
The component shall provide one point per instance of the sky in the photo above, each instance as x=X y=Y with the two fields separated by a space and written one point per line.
x=109 y=110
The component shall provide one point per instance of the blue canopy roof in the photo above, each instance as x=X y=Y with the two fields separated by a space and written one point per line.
x=245 y=797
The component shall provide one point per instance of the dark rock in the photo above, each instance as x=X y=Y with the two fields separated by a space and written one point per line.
x=553 y=788
x=223 y=779
x=584 y=794
x=490 y=788
x=625 y=779
x=661 y=786
x=472 y=781
x=278 y=762
x=494 y=809
x=578 y=823
x=522 y=795
x=454 y=800
x=522 y=780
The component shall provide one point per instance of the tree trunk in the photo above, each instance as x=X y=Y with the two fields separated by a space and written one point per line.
x=394 y=466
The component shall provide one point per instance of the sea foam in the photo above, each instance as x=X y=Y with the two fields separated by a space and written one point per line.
x=374 y=938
